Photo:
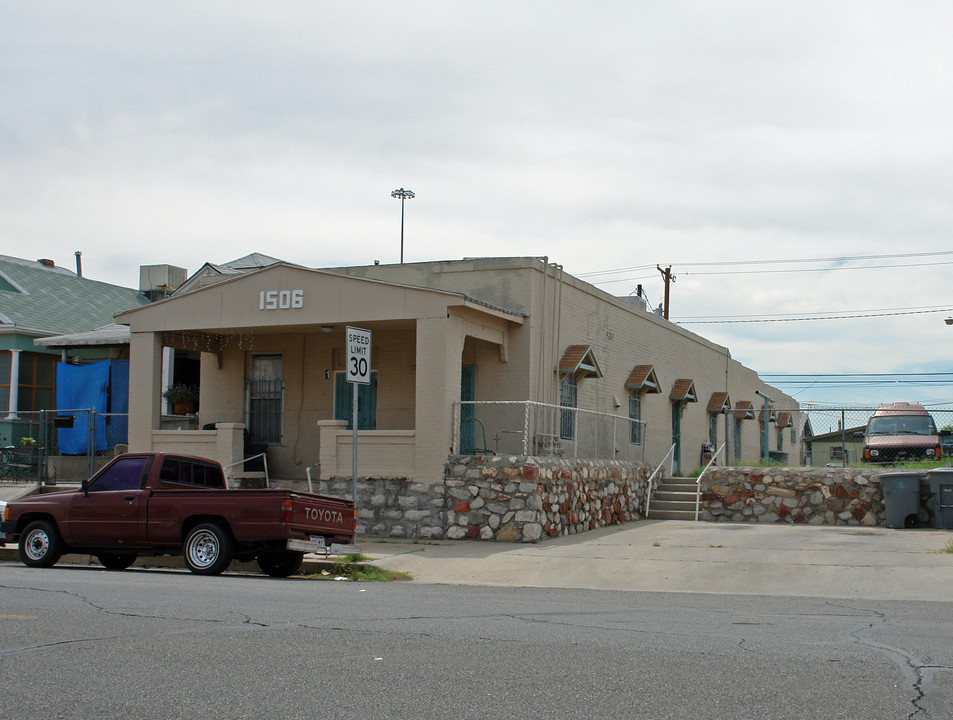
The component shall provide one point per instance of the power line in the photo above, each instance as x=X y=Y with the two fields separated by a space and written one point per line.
x=809 y=315
x=816 y=270
x=794 y=270
x=855 y=374
x=786 y=261
x=805 y=319
x=864 y=383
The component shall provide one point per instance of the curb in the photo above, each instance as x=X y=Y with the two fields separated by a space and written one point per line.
x=312 y=564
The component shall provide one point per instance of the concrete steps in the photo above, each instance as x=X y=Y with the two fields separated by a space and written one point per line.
x=673 y=500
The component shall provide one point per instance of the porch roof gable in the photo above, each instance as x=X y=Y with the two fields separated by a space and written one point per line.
x=283 y=295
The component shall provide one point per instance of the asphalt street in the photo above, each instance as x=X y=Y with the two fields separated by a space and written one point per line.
x=79 y=642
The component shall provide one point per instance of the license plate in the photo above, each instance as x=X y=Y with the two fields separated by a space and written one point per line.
x=314 y=544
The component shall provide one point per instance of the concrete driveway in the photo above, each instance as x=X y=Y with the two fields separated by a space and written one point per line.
x=678 y=556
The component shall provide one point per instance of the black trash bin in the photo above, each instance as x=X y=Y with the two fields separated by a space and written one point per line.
x=941 y=485
x=902 y=498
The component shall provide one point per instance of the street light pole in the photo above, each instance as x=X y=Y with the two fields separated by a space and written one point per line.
x=403 y=195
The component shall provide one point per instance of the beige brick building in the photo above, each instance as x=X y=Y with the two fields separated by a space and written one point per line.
x=514 y=331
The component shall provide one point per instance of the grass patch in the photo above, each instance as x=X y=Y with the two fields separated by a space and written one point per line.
x=355 y=568
x=369 y=573
x=911 y=465
x=948 y=548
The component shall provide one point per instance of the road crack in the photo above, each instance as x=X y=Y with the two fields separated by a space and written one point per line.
x=918 y=677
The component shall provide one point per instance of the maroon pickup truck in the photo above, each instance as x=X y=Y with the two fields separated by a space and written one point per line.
x=164 y=504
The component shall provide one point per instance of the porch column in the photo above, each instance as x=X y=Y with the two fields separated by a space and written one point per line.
x=14 y=383
x=439 y=359
x=145 y=357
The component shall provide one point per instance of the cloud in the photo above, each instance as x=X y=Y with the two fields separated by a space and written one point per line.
x=621 y=135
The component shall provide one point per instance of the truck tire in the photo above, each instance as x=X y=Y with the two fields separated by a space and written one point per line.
x=40 y=544
x=208 y=549
x=116 y=561
x=280 y=563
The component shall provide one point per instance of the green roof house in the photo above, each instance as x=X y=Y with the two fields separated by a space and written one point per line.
x=40 y=300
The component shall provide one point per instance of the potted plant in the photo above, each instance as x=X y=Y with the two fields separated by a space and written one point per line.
x=183 y=398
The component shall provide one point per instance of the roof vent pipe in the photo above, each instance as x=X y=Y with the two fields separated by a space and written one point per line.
x=79 y=263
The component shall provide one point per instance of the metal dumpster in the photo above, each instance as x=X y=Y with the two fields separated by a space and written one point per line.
x=902 y=498
x=941 y=485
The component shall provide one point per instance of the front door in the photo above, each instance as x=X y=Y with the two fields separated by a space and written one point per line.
x=468 y=419
x=676 y=434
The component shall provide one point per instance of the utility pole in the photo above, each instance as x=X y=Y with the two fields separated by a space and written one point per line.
x=669 y=279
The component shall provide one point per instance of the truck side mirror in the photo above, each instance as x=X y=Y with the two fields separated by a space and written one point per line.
x=859 y=434
x=84 y=486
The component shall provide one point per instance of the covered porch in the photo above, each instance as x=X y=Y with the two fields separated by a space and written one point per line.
x=272 y=371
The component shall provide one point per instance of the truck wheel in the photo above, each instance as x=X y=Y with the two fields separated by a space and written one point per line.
x=280 y=564
x=208 y=549
x=40 y=544
x=116 y=561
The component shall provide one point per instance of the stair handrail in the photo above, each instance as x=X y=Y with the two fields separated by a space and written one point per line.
x=698 y=480
x=648 y=493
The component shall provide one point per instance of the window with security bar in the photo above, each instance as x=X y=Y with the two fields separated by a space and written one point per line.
x=567 y=400
x=263 y=411
x=635 y=414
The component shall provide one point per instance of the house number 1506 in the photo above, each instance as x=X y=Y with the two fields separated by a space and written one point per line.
x=280 y=299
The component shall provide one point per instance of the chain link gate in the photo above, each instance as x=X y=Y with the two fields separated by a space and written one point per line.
x=59 y=446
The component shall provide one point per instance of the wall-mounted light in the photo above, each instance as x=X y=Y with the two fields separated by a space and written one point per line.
x=327 y=328
x=949 y=321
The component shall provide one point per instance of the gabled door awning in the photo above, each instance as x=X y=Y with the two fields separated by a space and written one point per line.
x=579 y=359
x=684 y=389
x=719 y=402
x=643 y=378
x=744 y=409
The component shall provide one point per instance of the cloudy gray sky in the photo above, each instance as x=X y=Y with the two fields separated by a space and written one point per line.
x=609 y=136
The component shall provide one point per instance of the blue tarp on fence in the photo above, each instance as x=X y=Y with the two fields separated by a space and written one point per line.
x=102 y=387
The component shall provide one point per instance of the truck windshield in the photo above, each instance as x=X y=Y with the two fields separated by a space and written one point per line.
x=902 y=425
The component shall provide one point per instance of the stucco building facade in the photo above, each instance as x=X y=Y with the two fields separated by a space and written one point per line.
x=501 y=330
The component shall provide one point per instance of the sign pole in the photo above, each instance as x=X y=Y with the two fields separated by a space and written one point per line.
x=354 y=444
x=358 y=344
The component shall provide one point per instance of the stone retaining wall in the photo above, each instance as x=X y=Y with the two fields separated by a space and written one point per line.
x=520 y=499
x=507 y=499
x=821 y=496
x=394 y=507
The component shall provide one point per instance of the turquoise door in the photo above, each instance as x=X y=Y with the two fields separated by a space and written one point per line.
x=366 y=402
x=676 y=434
x=467 y=409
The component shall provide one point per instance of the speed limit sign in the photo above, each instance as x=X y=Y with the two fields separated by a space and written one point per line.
x=358 y=356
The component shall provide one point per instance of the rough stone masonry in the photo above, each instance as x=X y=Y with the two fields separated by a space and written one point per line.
x=821 y=496
x=520 y=499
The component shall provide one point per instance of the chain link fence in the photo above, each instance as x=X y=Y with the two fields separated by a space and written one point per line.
x=59 y=446
x=531 y=428
x=794 y=437
x=836 y=437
